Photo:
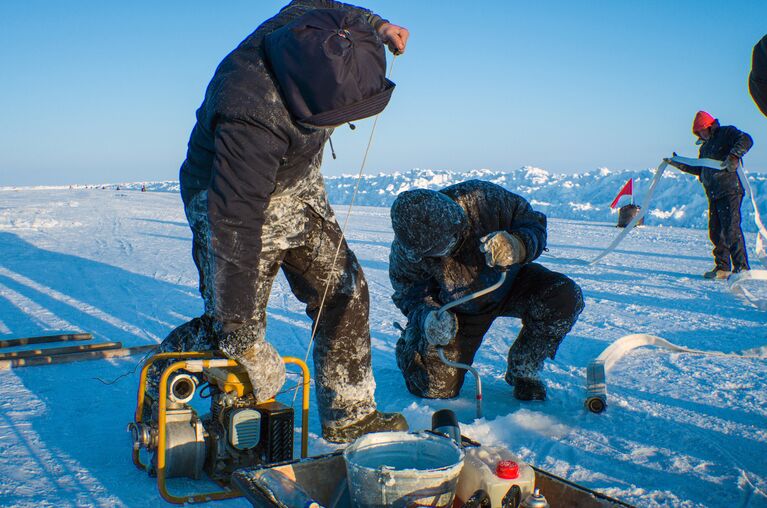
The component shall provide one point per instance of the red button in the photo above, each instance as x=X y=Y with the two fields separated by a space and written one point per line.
x=507 y=469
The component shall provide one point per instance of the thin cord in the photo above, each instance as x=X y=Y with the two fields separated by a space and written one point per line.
x=343 y=230
x=130 y=372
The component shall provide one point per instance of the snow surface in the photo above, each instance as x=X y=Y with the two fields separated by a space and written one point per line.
x=680 y=430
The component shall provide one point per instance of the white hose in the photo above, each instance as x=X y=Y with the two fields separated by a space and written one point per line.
x=637 y=217
x=596 y=372
x=735 y=282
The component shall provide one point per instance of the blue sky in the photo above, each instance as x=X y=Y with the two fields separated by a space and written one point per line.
x=94 y=91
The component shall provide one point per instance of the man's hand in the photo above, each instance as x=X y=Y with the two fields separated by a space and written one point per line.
x=670 y=162
x=731 y=164
x=502 y=249
x=439 y=328
x=394 y=36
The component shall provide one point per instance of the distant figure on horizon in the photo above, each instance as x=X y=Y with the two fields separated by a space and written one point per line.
x=456 y=241
x=723 y=189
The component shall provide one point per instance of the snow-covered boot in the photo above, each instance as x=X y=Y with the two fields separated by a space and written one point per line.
x=717 y=273
x=528 y=388
x=374 y=422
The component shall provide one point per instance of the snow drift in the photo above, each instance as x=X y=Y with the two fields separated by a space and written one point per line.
x=679 y=200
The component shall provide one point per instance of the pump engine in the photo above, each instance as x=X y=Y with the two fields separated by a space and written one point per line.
x=236 y=433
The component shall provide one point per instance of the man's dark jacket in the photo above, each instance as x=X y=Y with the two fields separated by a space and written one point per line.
x=244 y=149
x=757 y=80
x=724 y=142
x=436 y=281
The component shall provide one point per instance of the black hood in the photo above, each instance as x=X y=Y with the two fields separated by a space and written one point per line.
x=330 y=66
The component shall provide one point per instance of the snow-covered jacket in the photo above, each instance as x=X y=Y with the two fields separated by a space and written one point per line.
x=724 y=141
x=244 y=151
x=433 y=282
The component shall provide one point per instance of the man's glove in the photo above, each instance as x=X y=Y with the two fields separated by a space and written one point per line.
x=731 y=163
x=439 y=328
x=502 y=249
x=263 y=363
x=670 y=162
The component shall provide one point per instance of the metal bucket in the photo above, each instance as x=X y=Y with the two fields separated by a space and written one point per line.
x=402 y=469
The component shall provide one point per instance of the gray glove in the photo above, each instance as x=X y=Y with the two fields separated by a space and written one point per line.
x=440 y=329
x=262 y=362
x=502 y=249
x=730 y=164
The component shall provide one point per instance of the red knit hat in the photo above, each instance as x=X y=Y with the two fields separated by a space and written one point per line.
x=702 y=121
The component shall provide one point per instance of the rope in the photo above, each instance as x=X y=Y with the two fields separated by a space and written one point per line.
x=343 y=231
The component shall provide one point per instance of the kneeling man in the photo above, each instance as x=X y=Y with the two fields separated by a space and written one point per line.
x=454 y=242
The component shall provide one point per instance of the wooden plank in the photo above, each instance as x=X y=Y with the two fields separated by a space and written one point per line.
x=45 y=339
x=28 y=353
x=75 y=357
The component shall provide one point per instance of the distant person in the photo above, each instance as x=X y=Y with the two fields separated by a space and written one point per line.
x=453 y=242
x=757 y=80
x=255 y=200
x=724 y=191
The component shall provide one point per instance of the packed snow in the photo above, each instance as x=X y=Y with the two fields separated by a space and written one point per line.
x=680 y=430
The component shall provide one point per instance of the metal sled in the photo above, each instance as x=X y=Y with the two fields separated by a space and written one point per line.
x=324 y=479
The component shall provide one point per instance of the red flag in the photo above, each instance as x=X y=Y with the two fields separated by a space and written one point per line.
x=627 y=190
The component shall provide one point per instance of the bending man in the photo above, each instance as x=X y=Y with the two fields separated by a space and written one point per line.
x=255 y=200
x=453 y=242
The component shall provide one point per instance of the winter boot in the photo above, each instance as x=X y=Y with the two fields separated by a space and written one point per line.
x=717 y=273
x=528 y=388
x=374 y=422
